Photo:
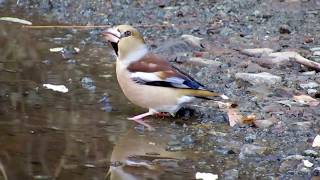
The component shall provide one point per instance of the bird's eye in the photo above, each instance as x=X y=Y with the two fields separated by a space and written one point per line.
x=127 y=33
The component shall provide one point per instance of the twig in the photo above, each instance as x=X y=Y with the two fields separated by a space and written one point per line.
x=65 y=27
x=287 y=55
x=307 y=62
x=291 y=55
x=87 y=27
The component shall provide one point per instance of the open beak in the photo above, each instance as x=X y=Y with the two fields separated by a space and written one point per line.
x=112 y=35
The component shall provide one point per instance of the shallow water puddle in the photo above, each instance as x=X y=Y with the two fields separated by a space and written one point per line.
x=78 y=133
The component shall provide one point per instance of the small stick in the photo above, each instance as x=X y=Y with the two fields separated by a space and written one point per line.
x=87 y=27
x=65 y=27
x=307 y=62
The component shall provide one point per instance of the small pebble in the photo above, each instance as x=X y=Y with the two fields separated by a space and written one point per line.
x=284 y=29
x=310 y=85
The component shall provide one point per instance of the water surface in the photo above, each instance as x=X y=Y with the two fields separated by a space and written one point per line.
x=46 y=134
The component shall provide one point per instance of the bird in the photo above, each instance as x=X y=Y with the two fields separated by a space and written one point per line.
x=133 y=157
x=149 y=80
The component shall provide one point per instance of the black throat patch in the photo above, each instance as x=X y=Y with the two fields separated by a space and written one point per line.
x=115 y=47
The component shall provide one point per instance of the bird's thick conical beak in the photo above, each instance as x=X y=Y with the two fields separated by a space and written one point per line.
x=112 y=35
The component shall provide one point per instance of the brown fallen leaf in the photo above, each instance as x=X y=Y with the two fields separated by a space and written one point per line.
x=306 y=100
x=235 y=117
x=248 y=120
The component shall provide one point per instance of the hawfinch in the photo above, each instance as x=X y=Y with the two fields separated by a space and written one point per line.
x=149 y=80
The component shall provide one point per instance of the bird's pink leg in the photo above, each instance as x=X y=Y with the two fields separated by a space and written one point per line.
x=139 y=119
x=141 y=116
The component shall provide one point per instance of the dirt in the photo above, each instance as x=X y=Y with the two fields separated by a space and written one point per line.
x=203 y=142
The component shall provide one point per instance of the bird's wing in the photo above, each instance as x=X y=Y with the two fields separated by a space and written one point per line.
x=153 y=70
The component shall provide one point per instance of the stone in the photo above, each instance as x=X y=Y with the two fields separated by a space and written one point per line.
x=217 y=133
x=206 y=176
x=224 y=150
x=265 y=123
x=315 y=58
x=231 y=174
x=250 y=150
x=250 y=138
x=315 y=49
x=307 y=163
x=316 y=141
x=193 y=40
x=88 y=83
x=309 y=73
x=303 y=125
x=316 y=171
x=312 y=92
x=263 y=78
x=309 y=85
x=290 y=163
x=203 y=61
x=188 y=140
x=226 y=31
x=284 y=29
x=316 y=53
x=304 y=170
x=257 y=52
x=253 y=68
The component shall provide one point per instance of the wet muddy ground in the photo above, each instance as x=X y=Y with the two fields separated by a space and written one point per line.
x=84 y=133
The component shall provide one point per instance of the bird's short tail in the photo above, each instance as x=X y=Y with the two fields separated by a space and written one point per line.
x=205 y=94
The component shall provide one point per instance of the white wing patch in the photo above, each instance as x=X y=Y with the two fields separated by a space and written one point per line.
x=150 y=77
x=145 y=76
x=176 y=80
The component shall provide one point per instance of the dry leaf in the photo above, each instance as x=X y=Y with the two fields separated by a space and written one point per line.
x=236 y=118
x=306 y=100
x=249 y=120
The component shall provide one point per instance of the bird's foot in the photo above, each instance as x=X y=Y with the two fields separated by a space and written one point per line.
x=162 y=115
x=139 y=119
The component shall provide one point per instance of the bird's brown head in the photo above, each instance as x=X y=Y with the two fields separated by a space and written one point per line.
x=124 y=39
